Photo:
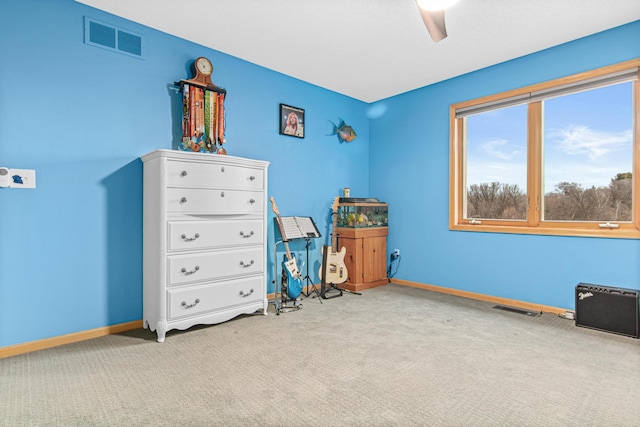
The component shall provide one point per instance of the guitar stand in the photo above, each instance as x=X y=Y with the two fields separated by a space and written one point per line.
x=282 y=303
x=287 y=304
x=332 y=286
x=328 y=287
x=323 y=284
x=311 y=287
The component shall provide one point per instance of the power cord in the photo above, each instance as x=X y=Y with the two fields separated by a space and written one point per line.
x=394 y=257
x=569 y=315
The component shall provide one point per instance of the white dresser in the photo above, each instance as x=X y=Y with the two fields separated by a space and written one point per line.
x=204 y=239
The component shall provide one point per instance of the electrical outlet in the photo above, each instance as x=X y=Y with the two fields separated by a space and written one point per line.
x=396 y=252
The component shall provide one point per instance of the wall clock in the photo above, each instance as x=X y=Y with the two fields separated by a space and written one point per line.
x=203 y=68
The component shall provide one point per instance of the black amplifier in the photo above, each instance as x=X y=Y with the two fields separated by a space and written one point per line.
x=608 y=309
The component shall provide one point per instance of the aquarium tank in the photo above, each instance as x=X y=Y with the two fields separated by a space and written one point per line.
x=354 y=212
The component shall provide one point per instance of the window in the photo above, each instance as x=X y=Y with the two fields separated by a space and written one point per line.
x=496 y=186
x=561 y=157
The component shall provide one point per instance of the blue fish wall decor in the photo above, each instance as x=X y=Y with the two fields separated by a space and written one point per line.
x=344 y=131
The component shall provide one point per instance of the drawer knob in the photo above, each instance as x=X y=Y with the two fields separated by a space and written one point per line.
x=222 y=169
x=252 y=201
x=243 y=295
x=252 y=178
x=183 y=200
x=185 y=305
x=246 y=235
x=183 y=173
x=188 y=272
x=190 y=239
x=246 y=265
x=222 y=194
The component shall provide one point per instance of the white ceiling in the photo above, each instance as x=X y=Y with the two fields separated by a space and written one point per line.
x=373 y=49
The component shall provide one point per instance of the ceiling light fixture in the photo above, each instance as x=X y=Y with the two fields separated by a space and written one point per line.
x=432 y=13
x=435 y=5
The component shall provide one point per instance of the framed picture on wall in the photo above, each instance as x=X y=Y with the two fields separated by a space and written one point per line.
x=291 y=121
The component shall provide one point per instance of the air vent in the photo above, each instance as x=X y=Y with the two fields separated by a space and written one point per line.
x=107 y=36
x=518 y=310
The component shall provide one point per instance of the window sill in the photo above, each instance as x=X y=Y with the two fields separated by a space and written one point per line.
x=624 y=232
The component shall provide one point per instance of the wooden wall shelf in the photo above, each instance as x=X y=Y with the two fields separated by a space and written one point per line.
x=213 y=88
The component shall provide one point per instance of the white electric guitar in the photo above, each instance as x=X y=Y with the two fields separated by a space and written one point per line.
x=336 y=270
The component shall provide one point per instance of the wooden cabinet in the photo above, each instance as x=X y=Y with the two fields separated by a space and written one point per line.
x=204 y=239
x=366 y=256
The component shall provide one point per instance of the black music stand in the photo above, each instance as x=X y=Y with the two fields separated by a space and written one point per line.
x=300 y=227
x=306 y=279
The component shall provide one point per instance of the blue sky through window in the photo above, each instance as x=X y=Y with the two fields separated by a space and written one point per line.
x=587 y=139
x=497 y=147
x=588 y=136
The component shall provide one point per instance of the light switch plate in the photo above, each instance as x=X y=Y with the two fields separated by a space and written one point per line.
x=23 y=178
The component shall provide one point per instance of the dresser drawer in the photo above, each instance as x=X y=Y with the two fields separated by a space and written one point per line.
x=209 y=234
x=214 y=265
x=208 y=201
x=206 y=175
x=214 y=296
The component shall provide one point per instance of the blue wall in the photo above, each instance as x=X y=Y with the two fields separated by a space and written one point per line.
x=71 y=253
x=81 y=116
x=410 y=169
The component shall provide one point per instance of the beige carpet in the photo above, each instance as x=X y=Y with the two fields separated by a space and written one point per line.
x=394 y=356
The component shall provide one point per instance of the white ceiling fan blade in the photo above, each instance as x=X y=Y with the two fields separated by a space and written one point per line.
x=434 y=22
